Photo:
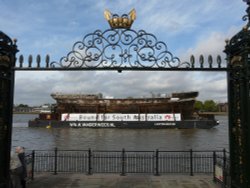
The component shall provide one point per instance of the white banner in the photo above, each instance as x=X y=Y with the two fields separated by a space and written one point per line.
x=120 y=117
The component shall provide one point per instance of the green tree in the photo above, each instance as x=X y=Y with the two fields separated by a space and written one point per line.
x=198 y=105
x=210 y=106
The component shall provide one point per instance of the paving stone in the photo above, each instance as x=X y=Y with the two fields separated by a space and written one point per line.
x=173 y=183
x=115 y=181
x=156 y=185
x=188 y=186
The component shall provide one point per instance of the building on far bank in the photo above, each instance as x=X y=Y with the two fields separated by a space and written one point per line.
x=36 y=109
x=223 y=107
x=18 y=109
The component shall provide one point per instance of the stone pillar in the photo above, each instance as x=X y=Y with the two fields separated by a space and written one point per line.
x=8 y=50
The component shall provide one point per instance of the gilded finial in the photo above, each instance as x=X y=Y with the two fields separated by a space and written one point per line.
x=132 y=14
x=115 y=21
x=107 y=15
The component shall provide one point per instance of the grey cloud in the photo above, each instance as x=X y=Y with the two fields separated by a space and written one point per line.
x=136 y=84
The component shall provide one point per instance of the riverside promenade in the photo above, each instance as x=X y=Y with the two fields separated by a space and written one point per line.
x=46 y=180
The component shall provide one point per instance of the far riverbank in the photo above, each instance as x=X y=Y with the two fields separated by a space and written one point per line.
x=25 y=112
x=215 y=113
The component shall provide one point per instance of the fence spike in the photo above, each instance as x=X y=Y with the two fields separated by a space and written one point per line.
x=219 y=61
x=201 y=61
x=47 y=59
x=21 y=61
x=38 y=60
x=192 y=61
x=210 y=61
x=30 y=59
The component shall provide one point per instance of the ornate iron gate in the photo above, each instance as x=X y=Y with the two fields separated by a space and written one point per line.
x=238 y=53
x=121 y=48
x=8 y=52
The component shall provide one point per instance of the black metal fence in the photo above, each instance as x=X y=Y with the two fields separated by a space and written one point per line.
x=222 y=169
x=128 y=162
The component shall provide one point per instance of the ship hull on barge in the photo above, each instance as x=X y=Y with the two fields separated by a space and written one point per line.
x=176 y=111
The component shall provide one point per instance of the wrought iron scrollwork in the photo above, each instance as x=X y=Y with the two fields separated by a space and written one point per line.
x=4 y=39
x=119 y=48
x=247 y=16
x=8 y=49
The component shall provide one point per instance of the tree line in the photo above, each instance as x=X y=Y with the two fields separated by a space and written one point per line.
x=206 y=106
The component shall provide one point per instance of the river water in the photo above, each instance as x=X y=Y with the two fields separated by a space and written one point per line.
x=116 y=139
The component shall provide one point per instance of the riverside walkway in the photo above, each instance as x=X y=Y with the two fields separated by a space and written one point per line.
x=46 y=180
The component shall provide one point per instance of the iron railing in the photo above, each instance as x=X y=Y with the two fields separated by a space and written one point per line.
x=222 y=169
x=190 y=162
x=126 y=162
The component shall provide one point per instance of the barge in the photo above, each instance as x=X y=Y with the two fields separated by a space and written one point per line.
x=95 y=111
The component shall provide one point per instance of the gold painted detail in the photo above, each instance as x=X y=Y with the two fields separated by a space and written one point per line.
x=48 y=116
x=4 y=60
x=236 y=60
x=115 y=21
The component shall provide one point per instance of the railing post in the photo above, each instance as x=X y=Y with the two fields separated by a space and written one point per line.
x=123 y=173
x=32 y=164
x=157 y=163
x=214 y=164
x=191 y=162
x=55 y=161
x=89 y=162
x=224 y=168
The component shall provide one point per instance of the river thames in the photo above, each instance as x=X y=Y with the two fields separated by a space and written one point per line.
x=116 y=139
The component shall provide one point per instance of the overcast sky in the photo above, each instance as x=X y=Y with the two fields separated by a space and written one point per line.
x=53 y=26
